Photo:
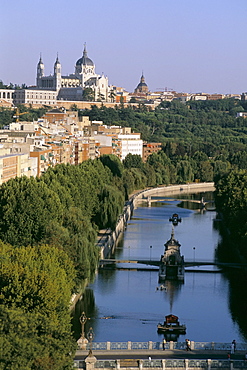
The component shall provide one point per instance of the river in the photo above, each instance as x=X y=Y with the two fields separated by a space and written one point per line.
x=125 y=305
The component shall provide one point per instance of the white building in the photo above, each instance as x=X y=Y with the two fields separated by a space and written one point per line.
x=35 y=96
x=71 y=87
x=6 y=97
x=130 y=143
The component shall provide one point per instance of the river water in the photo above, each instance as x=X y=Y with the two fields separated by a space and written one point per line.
x=126 y=305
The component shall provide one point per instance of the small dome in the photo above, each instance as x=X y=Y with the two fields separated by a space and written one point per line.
x=142 y=87
x=141 y=84
x=84 y=60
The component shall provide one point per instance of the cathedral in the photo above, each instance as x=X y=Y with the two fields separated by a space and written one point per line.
x=71 y=87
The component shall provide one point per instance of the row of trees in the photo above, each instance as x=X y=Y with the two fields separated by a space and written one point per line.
x=48 y=232
x=12 y=86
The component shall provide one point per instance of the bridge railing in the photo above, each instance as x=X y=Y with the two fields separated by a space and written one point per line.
x=150 y=345
x=166 y=364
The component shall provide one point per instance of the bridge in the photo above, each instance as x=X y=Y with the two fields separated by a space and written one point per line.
x=110 y=262
x=151 y=355
x=149 y=199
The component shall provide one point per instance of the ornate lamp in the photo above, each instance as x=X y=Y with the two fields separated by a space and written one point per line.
x=82 y=341
x=90 y=336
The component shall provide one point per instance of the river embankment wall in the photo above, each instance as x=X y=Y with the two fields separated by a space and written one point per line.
x=108 y=239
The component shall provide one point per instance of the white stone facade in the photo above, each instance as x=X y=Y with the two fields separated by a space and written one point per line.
x=35 y=96
x=6 y=95
x=71 y=87
x=130 y=143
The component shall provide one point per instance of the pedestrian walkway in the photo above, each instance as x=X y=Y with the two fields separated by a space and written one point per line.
x=159 y=354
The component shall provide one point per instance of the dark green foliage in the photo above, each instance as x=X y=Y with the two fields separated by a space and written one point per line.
x=111 y=204
x=208 y=126
x=27 y=206
x=64 y=208
x=6 y=117
x=184 y=172
x=81 y=245
x=163 y=167
x=113 y=163
x=7 y=114
x=231 y=201
x=239 y=159
x=133 y=160
x=88 y=94
x=36 y=286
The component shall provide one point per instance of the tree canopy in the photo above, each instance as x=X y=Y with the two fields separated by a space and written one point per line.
x=36 y=287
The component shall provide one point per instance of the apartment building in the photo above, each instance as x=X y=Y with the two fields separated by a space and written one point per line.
x=16 y=165
x=130 y=143
x=150 y=148
x=36 y=97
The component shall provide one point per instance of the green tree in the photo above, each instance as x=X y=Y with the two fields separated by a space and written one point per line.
x=113 y=163
x=111 y=205
x=81 y=246
x=88 y=94
x=112 y=95
x=184 y=172
x=133 y=160
x=27 y=206
x=36 y=285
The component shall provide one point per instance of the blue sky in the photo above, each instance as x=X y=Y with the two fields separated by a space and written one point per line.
x=185 y=45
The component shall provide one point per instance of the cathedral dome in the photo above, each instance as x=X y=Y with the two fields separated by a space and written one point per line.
x=84 y=60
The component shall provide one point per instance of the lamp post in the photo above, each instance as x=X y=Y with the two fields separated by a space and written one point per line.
x=90 y=336
x=83 y=320
x=151 y=252
x=82 y=341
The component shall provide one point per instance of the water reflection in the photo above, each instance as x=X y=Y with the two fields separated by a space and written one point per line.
x=236 y=278
x=238 y=299
x=173 y=288
x=86 y=304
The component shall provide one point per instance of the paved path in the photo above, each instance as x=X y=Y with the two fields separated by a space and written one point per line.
x=159 y=354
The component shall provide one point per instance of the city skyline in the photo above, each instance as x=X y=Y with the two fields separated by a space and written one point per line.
x=187 y=46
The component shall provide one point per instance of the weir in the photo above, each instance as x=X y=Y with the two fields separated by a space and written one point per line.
x=111 y=261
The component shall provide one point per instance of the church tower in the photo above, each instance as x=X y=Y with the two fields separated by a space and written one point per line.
x=40 y=72
x=57 y=74
x=142 y=87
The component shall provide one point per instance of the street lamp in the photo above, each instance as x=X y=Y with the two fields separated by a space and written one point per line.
x=90 y=336
x=151 y=252
x=83 y=320
x=82 y=341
